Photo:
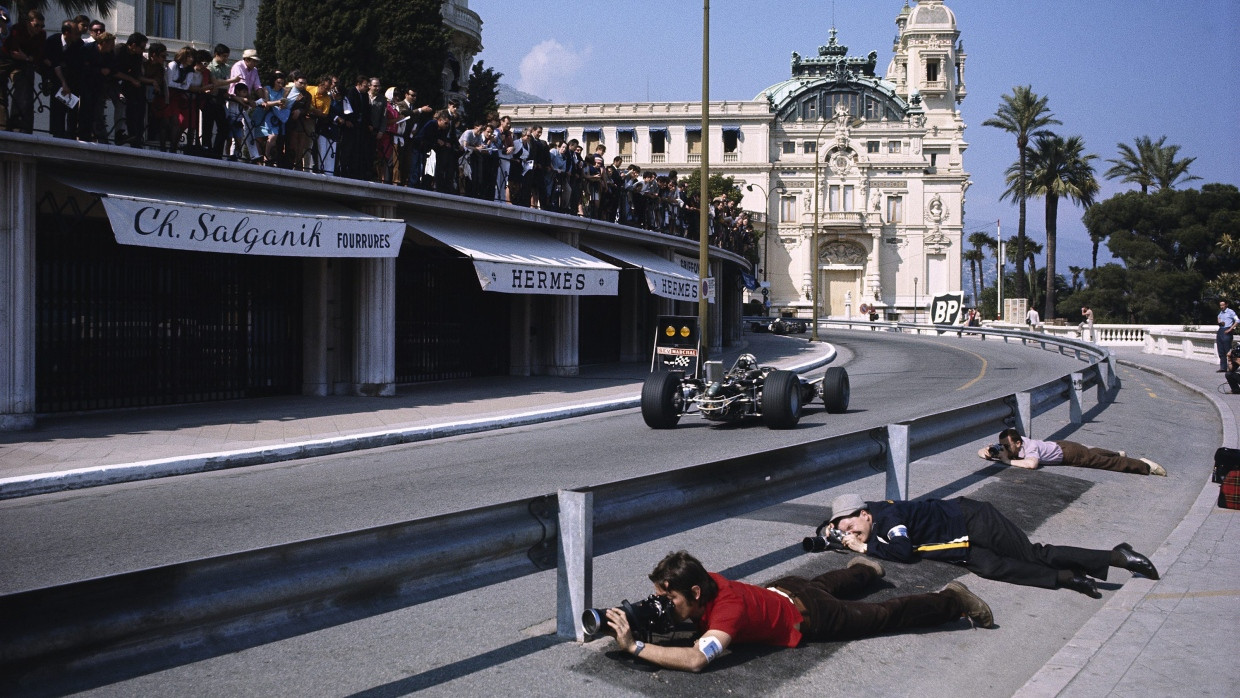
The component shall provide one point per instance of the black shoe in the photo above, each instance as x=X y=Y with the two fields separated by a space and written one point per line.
x=1083 y=584
x=1135 y=562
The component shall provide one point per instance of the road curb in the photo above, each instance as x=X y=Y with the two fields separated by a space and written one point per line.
x=1075 y=656
x=98 y=476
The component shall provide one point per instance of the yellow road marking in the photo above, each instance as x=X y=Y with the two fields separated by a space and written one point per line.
x=979 y=357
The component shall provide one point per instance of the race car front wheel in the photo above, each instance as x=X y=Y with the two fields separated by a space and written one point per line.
x=662 y=401
x=835 y=390
x=781 y=400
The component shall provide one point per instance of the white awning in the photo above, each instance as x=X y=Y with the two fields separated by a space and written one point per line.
x=177 y=217
x=511 y=260
x=663 y=277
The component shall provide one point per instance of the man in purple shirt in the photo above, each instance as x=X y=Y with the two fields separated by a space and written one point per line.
x=1031 y=453
x=247 y=70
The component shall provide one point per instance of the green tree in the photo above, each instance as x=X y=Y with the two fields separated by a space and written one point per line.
x=1059 y=168
x=1150 y=164
x=1169 y=243
x=482 y=93
x=1025 y=115
x=1225 y=287
x=717 y=185
x=402 y=42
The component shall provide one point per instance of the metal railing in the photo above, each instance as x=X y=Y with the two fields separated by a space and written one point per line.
x=146 y=618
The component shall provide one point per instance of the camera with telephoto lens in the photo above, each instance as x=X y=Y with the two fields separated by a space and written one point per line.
x=647 y=617
x=994 y=450
x=834 y=540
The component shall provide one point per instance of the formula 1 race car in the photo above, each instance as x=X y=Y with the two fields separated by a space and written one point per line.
x=779 y=325
x=745 y=390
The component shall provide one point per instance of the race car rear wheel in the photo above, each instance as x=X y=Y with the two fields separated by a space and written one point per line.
x=662 y=401
x=781 y=400
x=835 y=390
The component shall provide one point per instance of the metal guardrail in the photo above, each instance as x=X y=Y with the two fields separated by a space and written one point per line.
x=179 y=613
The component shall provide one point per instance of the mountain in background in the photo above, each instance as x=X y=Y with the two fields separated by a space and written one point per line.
x=508 y=94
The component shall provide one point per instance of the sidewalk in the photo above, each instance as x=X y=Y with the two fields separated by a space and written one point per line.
x=70 y=452
x=1166 y=637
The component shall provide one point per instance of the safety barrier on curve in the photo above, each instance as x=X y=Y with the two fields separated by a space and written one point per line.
x=178 y=613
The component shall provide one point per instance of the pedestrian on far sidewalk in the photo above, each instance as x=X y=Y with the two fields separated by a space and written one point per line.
x=1226 y=329
x=1033 y=319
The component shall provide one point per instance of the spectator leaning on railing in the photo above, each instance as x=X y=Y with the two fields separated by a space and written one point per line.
x=23 y=51
x=312 y=125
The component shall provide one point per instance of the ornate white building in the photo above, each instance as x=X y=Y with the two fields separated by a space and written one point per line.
x=879 y=158
x=205 y=23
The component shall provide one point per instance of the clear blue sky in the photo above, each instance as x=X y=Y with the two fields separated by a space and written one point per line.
x=1112 y=70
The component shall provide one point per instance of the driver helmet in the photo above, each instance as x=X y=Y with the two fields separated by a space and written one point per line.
x=746 y=362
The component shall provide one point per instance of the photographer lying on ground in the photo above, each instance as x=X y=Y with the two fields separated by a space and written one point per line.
x=785 y=612
x=974 y=534
x=1030 y=453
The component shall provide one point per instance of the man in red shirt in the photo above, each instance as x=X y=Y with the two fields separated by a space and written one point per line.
x=785 y=612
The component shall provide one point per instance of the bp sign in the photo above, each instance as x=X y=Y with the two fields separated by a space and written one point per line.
x=947 y=309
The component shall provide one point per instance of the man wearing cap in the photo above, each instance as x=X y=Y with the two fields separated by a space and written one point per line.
x=784 y=612
x=1031 y=453
x=246 y=70
x=975 y=535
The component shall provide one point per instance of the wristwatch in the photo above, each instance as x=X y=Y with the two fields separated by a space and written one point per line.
x=638 y=647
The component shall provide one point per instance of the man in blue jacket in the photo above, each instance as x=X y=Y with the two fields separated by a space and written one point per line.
x=975 y=535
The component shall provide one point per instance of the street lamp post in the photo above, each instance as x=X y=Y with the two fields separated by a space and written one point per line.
x=766 y=238
x=915 y=306
x=703 y=232
x=814 y=251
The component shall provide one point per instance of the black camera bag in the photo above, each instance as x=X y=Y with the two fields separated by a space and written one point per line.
x=1225 y=461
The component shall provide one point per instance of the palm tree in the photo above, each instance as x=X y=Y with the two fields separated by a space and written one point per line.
x=982 y=241
x=975 y=259
x=1059 y=168
x=1024 y=114
x=1150 y=164
x=1168 y=171
x=1076 y=277
x=1133 y=164
x=1096 y=240
x=1032 y=249
x=70 y=8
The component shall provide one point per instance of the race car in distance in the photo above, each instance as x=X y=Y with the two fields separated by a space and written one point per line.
x=777 y=325
x=745 y=390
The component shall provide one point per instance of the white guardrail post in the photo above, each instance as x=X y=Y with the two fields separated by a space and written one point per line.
x=1104 y=378
x=898 y=447
x=1024 y=414
x=1077 y=391
x=575 y=571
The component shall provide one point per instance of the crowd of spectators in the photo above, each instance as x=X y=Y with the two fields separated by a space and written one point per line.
x=198 y=102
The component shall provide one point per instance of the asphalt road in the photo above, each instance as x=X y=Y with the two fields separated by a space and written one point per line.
x=499 y=641
x=81 y=534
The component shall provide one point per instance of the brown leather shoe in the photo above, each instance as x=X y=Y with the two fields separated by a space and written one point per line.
x=971 y=605
x=867 y=562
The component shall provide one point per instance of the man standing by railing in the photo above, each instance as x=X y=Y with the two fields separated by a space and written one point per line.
x=1226 y=329
x=1087 y=324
